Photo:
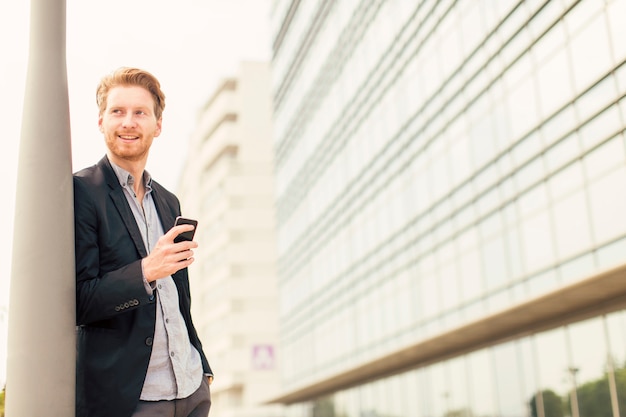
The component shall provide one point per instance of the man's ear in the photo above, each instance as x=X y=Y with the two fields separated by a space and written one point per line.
x=157 y=131
x=100 y=124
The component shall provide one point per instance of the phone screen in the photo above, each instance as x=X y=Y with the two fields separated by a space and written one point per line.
x=185 y=235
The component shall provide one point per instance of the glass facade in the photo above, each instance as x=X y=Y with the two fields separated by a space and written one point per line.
x=530 y=376
x=438 y=161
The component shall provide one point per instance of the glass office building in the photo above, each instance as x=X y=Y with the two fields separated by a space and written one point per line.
x=451 y=207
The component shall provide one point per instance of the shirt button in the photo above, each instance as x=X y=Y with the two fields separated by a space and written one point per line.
x=149 y=341
x=172 y=354
x=160 y=286
x=167 y=320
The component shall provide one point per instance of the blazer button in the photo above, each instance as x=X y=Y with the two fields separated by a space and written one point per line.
x=149 y=341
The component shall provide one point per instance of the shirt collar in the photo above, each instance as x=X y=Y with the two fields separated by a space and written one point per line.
x=127 y=180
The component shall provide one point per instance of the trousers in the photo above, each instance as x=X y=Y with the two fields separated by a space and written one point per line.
x=197 y=404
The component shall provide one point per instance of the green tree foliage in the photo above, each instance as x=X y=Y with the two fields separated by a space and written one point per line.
x=462 y=412
x=323 y=407
x=552 y=404
x=594 y=398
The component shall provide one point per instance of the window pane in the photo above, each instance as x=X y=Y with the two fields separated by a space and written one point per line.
x=601 y=127
x=616 y=326
x=608 y=205
x=605 y=157
x=552 y=363
x=457 y=395
x=424 y=392
x=612 y=254
x=571 y=229
x=614 y=10
x=590 y=53
x=566 y=180
x=563 y=152
x=471 y=279
x=482 y=384
x=555 y=84
x=494 y=263
x=527 y=369
x=509 y=381
x=588 y=367
x=537 y=238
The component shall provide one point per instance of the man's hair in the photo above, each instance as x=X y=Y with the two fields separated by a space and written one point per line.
x=125 y=76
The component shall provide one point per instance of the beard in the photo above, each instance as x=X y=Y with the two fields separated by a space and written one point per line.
x=130 y=151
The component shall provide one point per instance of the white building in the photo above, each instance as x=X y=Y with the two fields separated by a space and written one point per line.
x=227 y=185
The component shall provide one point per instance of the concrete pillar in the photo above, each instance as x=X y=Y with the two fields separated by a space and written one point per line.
x=41 y=345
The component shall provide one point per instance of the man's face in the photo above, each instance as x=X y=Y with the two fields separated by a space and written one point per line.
x=129 y=124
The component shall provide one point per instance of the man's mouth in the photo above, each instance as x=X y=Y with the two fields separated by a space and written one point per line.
x=128 y=137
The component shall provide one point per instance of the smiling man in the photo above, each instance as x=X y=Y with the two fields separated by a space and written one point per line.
x=138 y=352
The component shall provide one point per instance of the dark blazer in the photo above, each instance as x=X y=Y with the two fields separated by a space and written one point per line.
x=115 y=316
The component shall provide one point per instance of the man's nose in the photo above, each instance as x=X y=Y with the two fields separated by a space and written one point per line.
x=129 y=120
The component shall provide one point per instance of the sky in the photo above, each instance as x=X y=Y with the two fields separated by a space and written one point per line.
x=189 y=45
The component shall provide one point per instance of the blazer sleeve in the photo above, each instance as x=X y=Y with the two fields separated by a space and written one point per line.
x=103 y=289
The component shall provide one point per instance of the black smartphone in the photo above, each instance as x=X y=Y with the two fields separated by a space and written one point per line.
x=185 y=235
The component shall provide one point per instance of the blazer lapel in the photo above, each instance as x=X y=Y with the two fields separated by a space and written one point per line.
x=119 y=200
x=163 y=209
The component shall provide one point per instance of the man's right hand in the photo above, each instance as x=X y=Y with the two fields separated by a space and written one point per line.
x=168 y=257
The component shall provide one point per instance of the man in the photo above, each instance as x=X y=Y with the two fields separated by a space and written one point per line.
x=138 y=351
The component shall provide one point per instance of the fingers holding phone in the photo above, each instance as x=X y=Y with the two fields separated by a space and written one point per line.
x=173 y=251
x=187 y=234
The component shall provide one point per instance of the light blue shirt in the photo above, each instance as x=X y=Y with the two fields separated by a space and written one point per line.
x=175 y=368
